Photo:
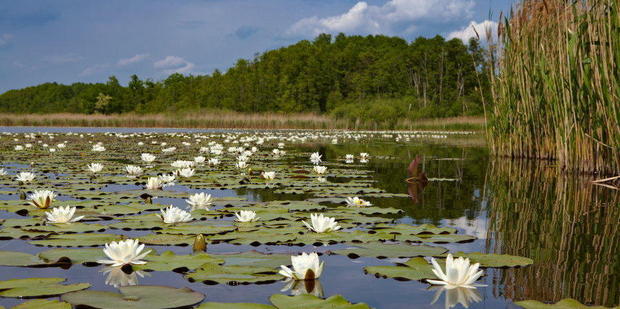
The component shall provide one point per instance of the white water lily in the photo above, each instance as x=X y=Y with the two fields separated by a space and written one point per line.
x=357 y=202
x=42 y=198
x=315 y=158
x=167 y=180
x=25 y=177
x=200 y=159
x=62 y=215
x=241 y=165
x=298 y=287
x=321 y=224
x=214 y=161
x=246 y=216
x=124 y=252
x=133 y=171
x=305 y=267
x=186 y=172
x=19 y=147
x=182 y=164
x=269 y=175
x=459 y=273
x=173 y=214
x=154 y=183
x=321 y=179
x=98 y=148
x=116 y=277
x=319 y=169
x=349 y=158
x=147 y=157
x=200 y=201
x=2 y=172
x=95 y=167
x=364 y=155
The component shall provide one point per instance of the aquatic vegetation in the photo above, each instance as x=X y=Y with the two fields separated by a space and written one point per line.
x=124 y=252
x=62 y=215
x=319 y=169
x=269 y=175
x=200 y=200
x=458 y=273
x=42 y=198
x=306 y=266
x=154 y=183
x=315 y=158
x=133 y=171
x=25 y=177
x=95 y=167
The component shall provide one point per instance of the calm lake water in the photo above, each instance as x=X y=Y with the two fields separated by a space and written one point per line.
x=568 y=226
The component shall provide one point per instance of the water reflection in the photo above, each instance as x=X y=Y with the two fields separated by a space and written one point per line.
x=299 y=287
x=566 y=224
x=455 y=296
x=116 y=277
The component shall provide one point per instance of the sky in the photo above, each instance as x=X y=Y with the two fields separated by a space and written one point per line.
x=70 y=41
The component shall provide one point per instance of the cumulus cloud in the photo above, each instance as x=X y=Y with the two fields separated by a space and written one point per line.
x=134 y=59
x=173 y=64
x=393 y=17
x=5 y=38
x=470 y=30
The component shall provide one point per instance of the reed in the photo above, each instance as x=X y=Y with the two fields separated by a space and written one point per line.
x=556 y=84
x=232 y=120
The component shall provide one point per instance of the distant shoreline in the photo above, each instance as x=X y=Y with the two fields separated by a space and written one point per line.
x=231 y=120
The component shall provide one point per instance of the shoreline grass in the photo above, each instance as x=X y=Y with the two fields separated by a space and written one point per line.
x=232 y=120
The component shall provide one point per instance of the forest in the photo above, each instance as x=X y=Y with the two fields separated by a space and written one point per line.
x=373 y=77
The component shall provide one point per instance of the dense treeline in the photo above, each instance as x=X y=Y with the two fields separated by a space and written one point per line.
x=371 y=77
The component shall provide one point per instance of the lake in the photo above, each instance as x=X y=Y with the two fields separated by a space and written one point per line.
x=472 y=202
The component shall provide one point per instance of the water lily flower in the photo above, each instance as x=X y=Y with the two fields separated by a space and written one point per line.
x=321 y=224
x=133 y=171
x=2 y=172
x=459 y=273
x=173 y=214
x=200 y=159
x=154 y=183
x=214 y=161
x=357 y=202
x=319 y=169
x=200 y=201
x=305 y=267
x=321 y=179
x=95 y=167
x=42 y=198
x=147 y=157
x=186 y=172
x=62 y=215
x=167 y=180
x=349 y=158
x=116 y=277
x=298 y=287
x=25 y=177
x=269 y=175
x=124 y=252
x=182 y=164
x=246 y=216
x=364 y=155
x=315 y=158
x=98 y=148
x=19 y=147
x=241 y=165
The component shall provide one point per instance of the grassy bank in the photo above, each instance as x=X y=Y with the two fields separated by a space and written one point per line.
x=233 y=120
x=558 y=91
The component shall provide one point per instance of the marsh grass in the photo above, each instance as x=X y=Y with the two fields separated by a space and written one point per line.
x=214 y=119
x=557 y=92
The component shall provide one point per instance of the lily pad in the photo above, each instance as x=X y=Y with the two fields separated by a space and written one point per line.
x=168 y=261
x=567 y=303
x=136 y=297
x=77 y=240
x=496 y=260
x=211 y=305
x=306 y=301
x=380 y=250
x=43 y=303
x=233 y=275
x=12 y=258
x=38 y=287
x=414 y=269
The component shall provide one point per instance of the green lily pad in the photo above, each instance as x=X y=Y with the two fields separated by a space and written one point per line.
x=211 y=305
x=77 y=240
x=76 y=256
x=167 y=239
x=12 y=258
x=380 y=250
x=233 y=275
x=306 y=301
x=43 y=303
x=168 y=261
x=38 y=287
x=136 y=297
x=414 y=269
x=496 y=260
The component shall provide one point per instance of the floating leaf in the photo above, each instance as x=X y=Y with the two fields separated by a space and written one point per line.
x=12 y=258
x=136 y=297
x=567 y=303
x=77 y=240
x=168 y=261
x=496 y=260
x=381 y=250
x=306 y=301
x=43 y=303
x=414 y=269
x=38 y=287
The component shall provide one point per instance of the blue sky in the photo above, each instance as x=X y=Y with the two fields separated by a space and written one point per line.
x=78 y=40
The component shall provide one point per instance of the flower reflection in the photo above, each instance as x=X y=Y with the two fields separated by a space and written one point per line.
x=457 y=295
x=116 y=277
x=299 y=287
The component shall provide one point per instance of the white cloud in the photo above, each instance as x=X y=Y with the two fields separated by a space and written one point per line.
x=93 y=69
x=389 y=18
x=63 y=59
x=174 y=64
x=134 y=59
x=5 y=38
x=468 y=32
